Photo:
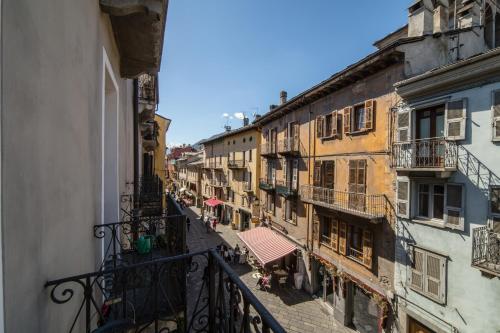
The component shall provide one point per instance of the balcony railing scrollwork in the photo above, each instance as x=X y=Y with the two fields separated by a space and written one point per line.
x=486 y=250
x=425 y=154
x=195 y=292
x=373 y=207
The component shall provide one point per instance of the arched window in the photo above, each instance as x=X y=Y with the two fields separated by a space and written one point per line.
x=488 y=26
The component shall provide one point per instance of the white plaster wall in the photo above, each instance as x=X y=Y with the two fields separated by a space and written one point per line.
x=472 y=299
x=51 y=151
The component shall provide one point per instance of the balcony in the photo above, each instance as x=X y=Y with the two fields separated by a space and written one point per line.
x=268 y=149
x=372 y=207
x=138 y=27
x=236 y=164
x=213 y=165
x=247 y=186
x=435 y=154
x=289 y=146
x=266 y=184
x=196 y=292
x=285 y=189
x=217 y=183
x=486 y=250
x=147 y=89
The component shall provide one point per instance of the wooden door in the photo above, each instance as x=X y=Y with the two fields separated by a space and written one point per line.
x=416 y=327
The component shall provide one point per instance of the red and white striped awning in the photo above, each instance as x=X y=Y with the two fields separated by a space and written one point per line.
x=267 y=245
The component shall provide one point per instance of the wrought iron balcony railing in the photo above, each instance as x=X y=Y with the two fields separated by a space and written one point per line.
x=373 y=207
x=236 y=164
x=147 y=88
x=285 y=188
x=289 y=146
x=486 y=250
x=213 y=165
x=268 y=149
x=425 y=154
x=196 y=292
x=266 y=184
x=217 y=182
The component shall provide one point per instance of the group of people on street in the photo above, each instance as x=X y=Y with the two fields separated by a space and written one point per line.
x=210 y=223
x=234 y=256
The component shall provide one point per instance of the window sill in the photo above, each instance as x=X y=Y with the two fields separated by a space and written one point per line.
x=432 y=222
x=429 y=296
x=292 y=222
x=359 y=132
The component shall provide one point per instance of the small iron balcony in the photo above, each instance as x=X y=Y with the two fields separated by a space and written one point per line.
x=217 y=183
x=372 y=207
x=236 y=164
x=213 y=165
x=289 y=146
x=486 y=250
x=285 y=188
x=268 y=149
x=266 y=184
x=436 y=154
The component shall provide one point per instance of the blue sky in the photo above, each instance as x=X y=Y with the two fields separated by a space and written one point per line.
x=233 y=56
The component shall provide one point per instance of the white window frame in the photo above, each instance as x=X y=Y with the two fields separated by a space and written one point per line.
x=443 y=260
x=430 y=220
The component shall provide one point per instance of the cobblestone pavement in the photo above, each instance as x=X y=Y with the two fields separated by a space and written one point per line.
x=294 y=309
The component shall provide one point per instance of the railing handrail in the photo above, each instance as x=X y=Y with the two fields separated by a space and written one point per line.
x=343 y=192
x=437 y=138
x=138 y=219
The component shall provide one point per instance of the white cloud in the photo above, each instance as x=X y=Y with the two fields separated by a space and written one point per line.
x=239 y=115
x=225 y=115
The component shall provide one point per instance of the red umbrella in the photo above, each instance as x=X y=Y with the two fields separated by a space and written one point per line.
x=213 y=202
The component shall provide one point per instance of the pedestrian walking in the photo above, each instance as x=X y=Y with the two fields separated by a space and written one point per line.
x=214 y=224
x=188 y=223
x=207 y=225
x=226 y=254
x=237 y=254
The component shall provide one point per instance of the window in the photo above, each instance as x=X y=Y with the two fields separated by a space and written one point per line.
x=359 y=118
x=328 y=125
x=428 y=274
x=290 y=211
x=495 y=200
x=244 y=140
x=270 y=203
x=496 y=113
x=329 y=232
x=250 y=155
x=455 y=119
x=324 y=174
x=441 y=203
x=250 y=139
x=320 y=123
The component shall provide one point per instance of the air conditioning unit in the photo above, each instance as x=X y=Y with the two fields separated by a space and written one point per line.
x=494 y=224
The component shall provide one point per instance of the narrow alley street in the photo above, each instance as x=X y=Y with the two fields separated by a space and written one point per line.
x=294 y=309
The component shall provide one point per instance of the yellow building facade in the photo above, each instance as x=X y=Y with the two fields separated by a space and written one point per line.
x=230 y=174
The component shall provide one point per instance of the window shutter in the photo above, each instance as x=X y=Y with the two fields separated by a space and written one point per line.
x=369 y=113
x=455 y=119
x=296 y=136
x=295 y=174
x=403 y=122
x=319 y=126
x=335 y=234
x=317 y=173
x=284 y=167
x=454 y=206
x=417 y=270
x=496 y=115
x=435 y=268
x=315 y=221
x=367 y=248
x=334 y=123
x=352 y=176
x=403 y=197
x=361 y=186
x=329 y=174
x=342 y=238
x=347 y=119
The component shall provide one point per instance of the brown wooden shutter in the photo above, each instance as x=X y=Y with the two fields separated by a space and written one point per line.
x=334 y=123
x=329 y=168
x=319 y=126
x=296 y=137
x=343 y=238
x=369 y=113
x=335 y=234
x=455 y=119
x=347 y=119
x=367 y=248
x=316 y=234
x=403 y=197
x=317 y=173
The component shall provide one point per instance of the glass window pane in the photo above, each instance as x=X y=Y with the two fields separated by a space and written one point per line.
x=454 y=196
x=438 y=202
x=495 y=200
x=440 y=125
x=424 y=128
x=423 y=200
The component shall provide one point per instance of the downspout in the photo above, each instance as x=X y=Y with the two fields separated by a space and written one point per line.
x=136 y=143
x=309 y=223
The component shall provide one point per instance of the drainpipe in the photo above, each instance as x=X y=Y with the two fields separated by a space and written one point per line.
x=136 y=143
x=309 y=181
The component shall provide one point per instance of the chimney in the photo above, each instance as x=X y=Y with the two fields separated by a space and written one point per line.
x=227 y=128
x=246 y=121
x=272 y=107
x=420 y=18
x=282 y=97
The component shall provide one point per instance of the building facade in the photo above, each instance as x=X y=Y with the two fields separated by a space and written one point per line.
x=231 y=173
x=67 y=143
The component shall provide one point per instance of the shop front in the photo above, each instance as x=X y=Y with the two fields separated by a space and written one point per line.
x=351 y=302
